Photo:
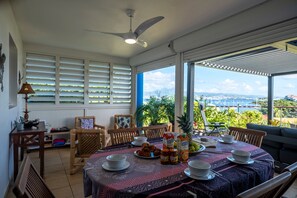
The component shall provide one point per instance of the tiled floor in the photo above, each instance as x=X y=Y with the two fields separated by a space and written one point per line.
x=65 y=185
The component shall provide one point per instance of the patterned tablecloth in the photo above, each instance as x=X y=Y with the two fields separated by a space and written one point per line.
x=149 y=178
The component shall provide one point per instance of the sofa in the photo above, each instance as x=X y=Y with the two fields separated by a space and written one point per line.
x=280 y=143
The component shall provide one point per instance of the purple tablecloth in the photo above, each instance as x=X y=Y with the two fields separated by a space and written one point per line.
x=148 y=178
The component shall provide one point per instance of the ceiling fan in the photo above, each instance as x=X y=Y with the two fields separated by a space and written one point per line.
x=132 y=37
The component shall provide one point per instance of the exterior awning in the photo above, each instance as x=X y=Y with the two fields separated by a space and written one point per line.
x=275 y=59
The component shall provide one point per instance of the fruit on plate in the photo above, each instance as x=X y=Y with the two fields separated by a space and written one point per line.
x=194 y=146
x=147 y=149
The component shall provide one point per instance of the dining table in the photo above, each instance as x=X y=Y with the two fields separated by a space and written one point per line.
x=149 y=178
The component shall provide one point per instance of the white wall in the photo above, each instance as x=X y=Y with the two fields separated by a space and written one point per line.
x=7 y=116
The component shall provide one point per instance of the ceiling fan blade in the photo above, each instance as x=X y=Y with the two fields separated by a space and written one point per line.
x=147 y=24
x=122 y=35
x=141 y=43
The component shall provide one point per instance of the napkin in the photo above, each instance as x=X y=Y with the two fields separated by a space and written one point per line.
x=207 y=142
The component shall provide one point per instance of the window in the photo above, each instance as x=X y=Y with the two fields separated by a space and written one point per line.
x=71 y=81
x=121 y=92
x=77 y=81
x=41 y=74
x=99 y=83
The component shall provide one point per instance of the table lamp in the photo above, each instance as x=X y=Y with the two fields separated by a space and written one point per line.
x=26 y=89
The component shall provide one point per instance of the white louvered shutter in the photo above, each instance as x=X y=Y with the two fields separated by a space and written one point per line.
x=41 y=74
x=99 y=83
x=71 y=81
x=121 y=90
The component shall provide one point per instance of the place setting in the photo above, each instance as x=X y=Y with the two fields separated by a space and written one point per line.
x=116 y=162
x=139 y=140
x=240 y=157
x=227 y=139
x=200 y=170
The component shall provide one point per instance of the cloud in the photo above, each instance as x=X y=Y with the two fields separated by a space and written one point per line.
x=157 y=80
x=290 y=76
x=290 y=85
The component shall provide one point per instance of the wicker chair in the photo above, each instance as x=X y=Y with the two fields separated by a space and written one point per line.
x=78 y=119
x=155 y=131
x=29 y=183
x=120 y=136
x=267 y=189
x=118 y=119
x=88 y=142
x=250 y=136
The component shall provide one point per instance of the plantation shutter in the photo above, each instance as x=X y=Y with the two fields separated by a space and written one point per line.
x=71 y=80
x=99 y=83
x=121 y=90
x=41 y=74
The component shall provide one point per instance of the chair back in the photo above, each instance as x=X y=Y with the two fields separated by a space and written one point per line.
x=29 y=183
x=125 y=135
x=155 y=131
x=250 y=136
x=205 y=122
x=78 y=122
x=123 y=121
x=267 y=189
x=89 y=141
x=293 y=170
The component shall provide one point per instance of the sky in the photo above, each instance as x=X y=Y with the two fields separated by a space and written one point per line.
x=221 y=81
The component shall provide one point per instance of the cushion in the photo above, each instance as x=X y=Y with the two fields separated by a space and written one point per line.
x=87 y=123
x=288 y=156
x=272 y=130
x=124 y=122
x=292 y=134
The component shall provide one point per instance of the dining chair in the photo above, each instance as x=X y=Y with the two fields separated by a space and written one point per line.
x=250 y=136
x=293 y=170
x=84 y=143
x=87 y=122
x=155 y=131
x=214 y=129
x=123 y=121
x=29 y=183
x=267 y=189
x=124 y=135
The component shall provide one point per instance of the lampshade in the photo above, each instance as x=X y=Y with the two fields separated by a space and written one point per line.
x=26 y=89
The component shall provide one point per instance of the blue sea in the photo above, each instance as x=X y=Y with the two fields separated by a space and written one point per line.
x=240 y=104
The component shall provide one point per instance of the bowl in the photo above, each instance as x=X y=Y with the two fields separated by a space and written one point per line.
x=140 y=139
x=199 y=168
x=116 y=161
x=240 y=155
x=228 y=138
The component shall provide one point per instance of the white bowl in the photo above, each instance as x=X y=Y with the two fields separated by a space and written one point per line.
x=199 y=168
x=228 y=138
x=140 y=139
x=116 y=161
x=240 y=155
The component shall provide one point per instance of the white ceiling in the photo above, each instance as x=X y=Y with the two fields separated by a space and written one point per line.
x=62 y=23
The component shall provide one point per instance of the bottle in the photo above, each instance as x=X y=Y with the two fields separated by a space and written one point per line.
x=165 y=156
x=183 y=147
x=174 y=157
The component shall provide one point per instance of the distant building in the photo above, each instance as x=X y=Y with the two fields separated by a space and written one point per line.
x=291 y=98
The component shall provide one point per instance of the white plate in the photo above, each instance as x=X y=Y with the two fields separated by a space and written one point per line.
x=250 y=161
x=135 y=144
x=106 y=167
x=135 y=153
x=222 y=141
x=210 y=176
x=202 y=148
